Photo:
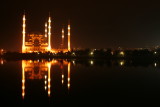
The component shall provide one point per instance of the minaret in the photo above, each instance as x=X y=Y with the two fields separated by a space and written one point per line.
x=62 y=37
x=69 y=45
x=23 y=33
x=46 y=29
x=49 y=33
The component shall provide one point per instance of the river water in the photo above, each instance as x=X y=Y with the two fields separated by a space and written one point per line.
x=79 y=83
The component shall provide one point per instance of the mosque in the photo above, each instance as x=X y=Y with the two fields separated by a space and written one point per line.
x=42 y=42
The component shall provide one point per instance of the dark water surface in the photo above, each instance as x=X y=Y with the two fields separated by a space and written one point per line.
x=79 y=83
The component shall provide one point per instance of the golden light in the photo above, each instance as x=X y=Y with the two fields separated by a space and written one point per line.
x=62 y=32
x=46 y=29
x=73 y=62
x=44 y=44
x=23 y=94
x=62 y=38
x=49 y=78
x=91 y=62
x=23 y=79
x=49 y=92
x=69 y=45
x=69 y=67
x=45 y=76
x=49 y=86
x=23 y=87
x=155 y=64
x=2 y=62
x=91 y=53
x=62 y=78
x=73 y=53
x=45 y=82
x=45 y=87
x=122 y=53
x=23 y=33
x=121 y=63
x=28 y=67
x=49 y=34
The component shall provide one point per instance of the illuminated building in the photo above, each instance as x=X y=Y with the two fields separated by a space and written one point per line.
x=41 y=42
x=36 y=43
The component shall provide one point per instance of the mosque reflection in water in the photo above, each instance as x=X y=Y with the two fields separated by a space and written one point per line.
x=42 y=70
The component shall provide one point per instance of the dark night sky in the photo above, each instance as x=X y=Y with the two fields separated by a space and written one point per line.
x=94 y=24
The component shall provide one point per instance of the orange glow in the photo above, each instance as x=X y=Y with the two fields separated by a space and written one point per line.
x=91 y=62
x=69 y=45
x=49 y=79
x=42 y=43
x=45 y=87
x=69 y=66
x=28 y=69
x=122 y=53
x=43 y=71
x=121 y=63
x=23 y=33
x=23 y=79
x=61 y=66
x=45 y=29
x=62 y=38
x=36 y=43
x=92 y=53
x=2 y=62
x=49 y=34
x=62 y=78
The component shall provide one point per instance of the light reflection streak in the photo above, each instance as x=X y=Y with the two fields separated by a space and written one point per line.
x=2 y=61
x=42 y=70
x=69 y=67
x=49 y=79
x=23 y=80
x=121 y=63
x=62 y=73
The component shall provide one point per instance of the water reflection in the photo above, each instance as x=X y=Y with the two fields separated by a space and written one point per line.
x=155 y=64
x=32 y=70
x=2 y=61
x=43 y=70
x=69 y=66
x=121 y=63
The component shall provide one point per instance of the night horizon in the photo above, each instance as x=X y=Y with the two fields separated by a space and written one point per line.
x=93 y=24
x=79 y=53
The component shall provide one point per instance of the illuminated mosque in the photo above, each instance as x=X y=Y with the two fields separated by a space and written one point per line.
x=41 y=42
